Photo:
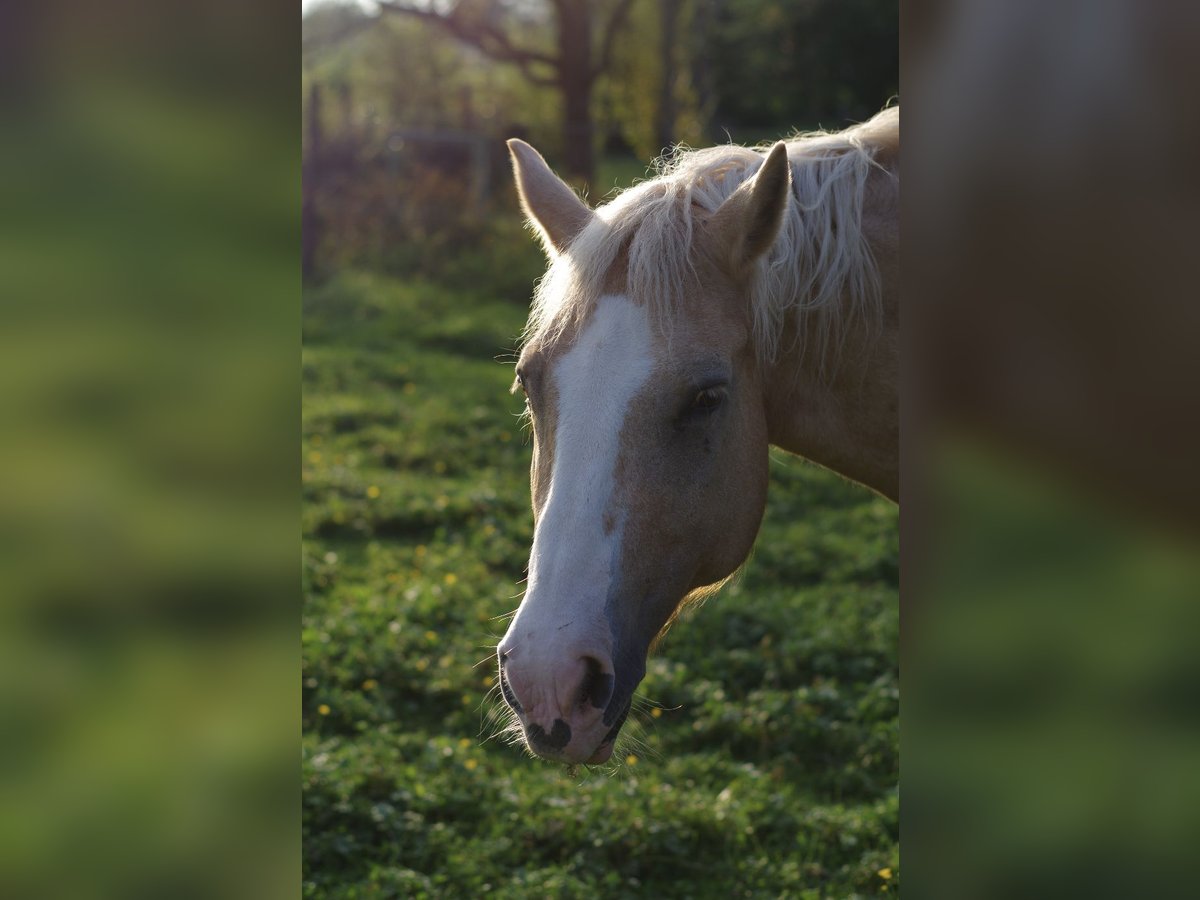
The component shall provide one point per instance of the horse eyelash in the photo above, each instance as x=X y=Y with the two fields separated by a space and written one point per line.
x=525 y=420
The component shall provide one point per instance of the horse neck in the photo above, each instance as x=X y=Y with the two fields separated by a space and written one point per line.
x=848 y=420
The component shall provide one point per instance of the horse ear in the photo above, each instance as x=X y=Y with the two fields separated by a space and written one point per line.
x=749 y=221
x=546 y=199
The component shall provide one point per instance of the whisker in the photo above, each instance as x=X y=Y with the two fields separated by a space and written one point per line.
x=505 y=726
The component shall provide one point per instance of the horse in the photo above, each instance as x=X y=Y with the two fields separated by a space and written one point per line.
x=742 y=298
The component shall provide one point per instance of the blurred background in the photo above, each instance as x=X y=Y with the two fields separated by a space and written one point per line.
x=1051 y=563
x=407 y=106
x=149 y=276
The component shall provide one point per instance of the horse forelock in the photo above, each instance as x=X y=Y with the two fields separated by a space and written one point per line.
x=819 y=274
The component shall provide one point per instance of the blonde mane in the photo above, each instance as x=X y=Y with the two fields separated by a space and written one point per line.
x=820 y=271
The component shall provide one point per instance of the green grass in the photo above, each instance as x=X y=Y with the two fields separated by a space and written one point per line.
x=769 y=764
x=616 y=173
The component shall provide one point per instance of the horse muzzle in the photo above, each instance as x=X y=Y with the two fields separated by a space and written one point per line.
x=563 y=701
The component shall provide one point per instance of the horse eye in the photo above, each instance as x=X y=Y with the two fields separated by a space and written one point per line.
x=708 y=399
x=520 y=383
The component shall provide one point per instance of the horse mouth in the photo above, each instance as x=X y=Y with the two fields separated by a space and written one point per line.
x=598 y=757
x=604 y=752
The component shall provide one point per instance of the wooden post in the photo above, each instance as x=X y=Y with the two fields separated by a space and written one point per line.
x=576 y=80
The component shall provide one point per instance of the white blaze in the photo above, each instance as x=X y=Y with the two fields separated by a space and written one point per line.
x=572 y=561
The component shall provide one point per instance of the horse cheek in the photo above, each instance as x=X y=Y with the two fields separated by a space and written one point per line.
x=736 y=506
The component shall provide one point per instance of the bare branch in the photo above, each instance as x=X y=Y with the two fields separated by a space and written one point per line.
x=615 y=21
x=485 y=37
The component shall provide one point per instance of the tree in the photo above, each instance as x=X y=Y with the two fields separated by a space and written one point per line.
x=664 y=124
x=572 y=70
x=820 y=62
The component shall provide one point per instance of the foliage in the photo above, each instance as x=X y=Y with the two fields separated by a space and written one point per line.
x=403 y=73
x=764 y=761
x=628 y=97
x=824 y=62
x=748 y=70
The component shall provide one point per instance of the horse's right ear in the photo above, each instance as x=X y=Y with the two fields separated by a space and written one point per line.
x=546 y=199
x=747 y=224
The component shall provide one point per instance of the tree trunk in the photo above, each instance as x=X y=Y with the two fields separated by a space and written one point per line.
x=664 y=131
x=575 y=67
x=575 y=83
x=704 y=14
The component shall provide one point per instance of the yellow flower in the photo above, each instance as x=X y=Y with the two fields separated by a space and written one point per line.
x=323 y=709
x=314 y=457
x=464 y=742
x=471 y=764
x=631 y=760
x=373 y=492
x=885 y=873
x=656 y=712
x=422 y=665
x=431 y=636
x=370 y=684
x=450 y=578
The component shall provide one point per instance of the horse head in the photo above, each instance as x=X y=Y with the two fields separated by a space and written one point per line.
x=649 y=472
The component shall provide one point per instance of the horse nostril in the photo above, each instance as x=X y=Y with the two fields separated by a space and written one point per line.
x=597 y=687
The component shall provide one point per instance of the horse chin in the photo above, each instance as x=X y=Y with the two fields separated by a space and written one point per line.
x=597 y=757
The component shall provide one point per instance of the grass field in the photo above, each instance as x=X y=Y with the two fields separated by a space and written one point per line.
x=765 y=763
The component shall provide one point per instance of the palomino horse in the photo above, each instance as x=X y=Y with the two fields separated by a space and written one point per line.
x=738 y=300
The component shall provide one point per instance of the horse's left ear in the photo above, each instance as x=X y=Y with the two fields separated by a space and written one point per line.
x=547 y=200
x=749 y=221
